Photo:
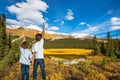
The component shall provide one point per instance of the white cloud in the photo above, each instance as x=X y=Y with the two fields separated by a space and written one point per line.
x=29 y=12
x=115 y=27
x=99 y=28
x=13 y=22
x=109 y=25
x=62 y=22
x=53 y=28
x=115 y=20
x=69 y=15
x=91 y=29
x=82 y=23
x=115 y=23
x=35 y=27
x=109 y=12
x=79 y=35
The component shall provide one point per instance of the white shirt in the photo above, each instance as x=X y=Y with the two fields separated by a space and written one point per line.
x=25 y=56
x=37 y=48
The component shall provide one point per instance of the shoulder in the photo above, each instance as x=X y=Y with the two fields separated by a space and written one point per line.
x=42 y=39
x=21 y=48
x=29 y=51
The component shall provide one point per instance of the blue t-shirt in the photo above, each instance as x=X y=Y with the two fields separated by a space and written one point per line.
x=25 y=56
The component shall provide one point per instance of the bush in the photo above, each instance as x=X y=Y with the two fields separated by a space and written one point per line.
x=104 y=63
x=113 y=58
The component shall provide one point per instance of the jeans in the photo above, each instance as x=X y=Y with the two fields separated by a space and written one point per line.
x=42 y=67
x=25 y=71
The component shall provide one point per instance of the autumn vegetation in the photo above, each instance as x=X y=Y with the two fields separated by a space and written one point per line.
x=102 y=59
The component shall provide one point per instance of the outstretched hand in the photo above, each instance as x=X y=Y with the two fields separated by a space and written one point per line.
x=43 y=31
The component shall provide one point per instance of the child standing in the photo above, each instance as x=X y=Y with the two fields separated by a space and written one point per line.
x=25 y=59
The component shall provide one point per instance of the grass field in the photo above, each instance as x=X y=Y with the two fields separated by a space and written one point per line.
x=67 y=51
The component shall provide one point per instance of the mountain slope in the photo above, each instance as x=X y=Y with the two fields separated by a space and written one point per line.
x=32 y=32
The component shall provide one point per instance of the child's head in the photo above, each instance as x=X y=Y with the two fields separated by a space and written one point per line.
x=38 y=37
x=24 y=44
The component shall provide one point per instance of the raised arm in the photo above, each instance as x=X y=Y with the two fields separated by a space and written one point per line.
x=23 y=39
x=43 y=31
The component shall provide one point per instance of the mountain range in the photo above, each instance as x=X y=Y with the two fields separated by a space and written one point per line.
x=30 y=31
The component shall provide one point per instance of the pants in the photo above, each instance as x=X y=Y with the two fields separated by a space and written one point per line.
x=42 y=67
x=25 y=71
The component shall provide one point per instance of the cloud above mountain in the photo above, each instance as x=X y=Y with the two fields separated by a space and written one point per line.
x=115 y=23
x=29 y=12
x=69 y=15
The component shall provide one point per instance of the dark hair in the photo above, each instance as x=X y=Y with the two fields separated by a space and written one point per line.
x=24 y=44
x=38 y=37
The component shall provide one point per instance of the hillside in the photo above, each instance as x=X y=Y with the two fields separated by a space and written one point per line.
x=31 y=33
x=85 y=70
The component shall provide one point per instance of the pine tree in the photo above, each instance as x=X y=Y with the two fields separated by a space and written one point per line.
x=9 y=41
x=108 y=37
x=109 y=44
x=96 y=46
x=117 y=48
x=95 y=39
x=2 y=35
x=104 y=49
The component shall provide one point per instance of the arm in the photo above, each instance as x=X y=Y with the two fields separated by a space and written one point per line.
x=32 y=57
x=43 y=31
x=24 y=39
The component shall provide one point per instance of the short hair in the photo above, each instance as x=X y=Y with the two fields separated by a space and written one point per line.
x=24 y=44
x=38 y=37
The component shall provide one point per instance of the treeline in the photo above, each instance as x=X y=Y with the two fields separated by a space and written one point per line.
x=110 y=48
x=69 y=43
x=9 y=52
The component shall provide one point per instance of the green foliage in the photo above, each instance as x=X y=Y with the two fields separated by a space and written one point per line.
x=12 y=57
x=2 y=35
x=111 y=48
x=108 y=37
x=9 y=41
x=104 y=63
x=69 y=43
x=60 y=62
x=104 y=49
x=95 y=39
x=86 y=66
x=97 y=49
x=113 y=58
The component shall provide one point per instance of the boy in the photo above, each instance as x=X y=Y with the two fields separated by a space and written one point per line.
x=25 y=59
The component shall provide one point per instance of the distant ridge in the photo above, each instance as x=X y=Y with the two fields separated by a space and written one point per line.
x=30 y=31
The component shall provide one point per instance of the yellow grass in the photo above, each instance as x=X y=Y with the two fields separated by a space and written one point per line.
x=68 y=51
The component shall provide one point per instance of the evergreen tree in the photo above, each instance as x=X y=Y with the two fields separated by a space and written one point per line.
x=117 y=48
x=95 y=39
x=2 y=35
x=110 y=45
x=108 y=37
x=96 y=46
x=104 y=49
x=9 y=41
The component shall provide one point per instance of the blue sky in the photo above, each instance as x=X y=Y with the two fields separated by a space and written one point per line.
x=64 y=16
